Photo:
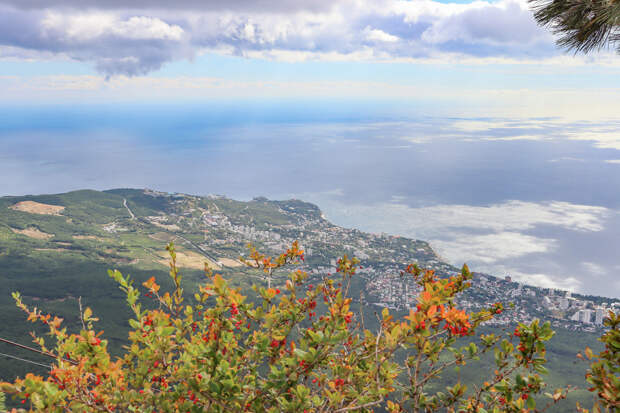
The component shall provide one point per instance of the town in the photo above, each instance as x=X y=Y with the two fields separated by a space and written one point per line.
x=224 y=228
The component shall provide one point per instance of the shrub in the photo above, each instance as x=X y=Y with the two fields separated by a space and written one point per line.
x=604 y=373
x=297 y=347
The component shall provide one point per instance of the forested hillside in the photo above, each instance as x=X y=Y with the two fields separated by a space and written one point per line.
x=55 y=249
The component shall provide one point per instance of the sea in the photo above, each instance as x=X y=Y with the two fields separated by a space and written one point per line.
x=533 y=198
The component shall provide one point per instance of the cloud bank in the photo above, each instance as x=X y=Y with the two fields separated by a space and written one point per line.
x=486 y=237
x=139 y=39
x=603 y=135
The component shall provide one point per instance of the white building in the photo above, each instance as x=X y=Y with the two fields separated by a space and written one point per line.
x=547 y=302
x=599 y=315
x=585 y=316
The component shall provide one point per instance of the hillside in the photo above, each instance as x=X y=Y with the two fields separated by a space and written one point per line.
x=56 y=248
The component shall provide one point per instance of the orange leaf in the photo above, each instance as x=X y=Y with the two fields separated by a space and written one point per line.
x=432 y=311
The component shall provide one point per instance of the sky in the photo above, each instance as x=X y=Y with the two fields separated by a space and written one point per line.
x=460 y=123
x=468 y=56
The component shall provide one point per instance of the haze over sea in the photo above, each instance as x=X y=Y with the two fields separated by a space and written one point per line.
x=533 y=197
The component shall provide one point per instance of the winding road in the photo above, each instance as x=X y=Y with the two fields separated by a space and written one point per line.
x=128 y=210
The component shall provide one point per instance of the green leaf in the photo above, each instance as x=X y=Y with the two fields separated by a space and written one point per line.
x=531 y=403
x=520 y=381
x=541 y=369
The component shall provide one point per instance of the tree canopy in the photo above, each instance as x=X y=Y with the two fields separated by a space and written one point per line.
x=582 y=25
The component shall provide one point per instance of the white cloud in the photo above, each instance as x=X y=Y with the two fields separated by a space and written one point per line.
x=593 y=268
x=86 y=27
x=503 y=224
x=376 y=35
x=567 y=283
x=499 y=23
x=137 y=39
x=607 y=137
x=484 y=237
x=474 y=125
x=508 y=216
x=490 y=239
x=491 y=248
x=602 y=134
x=566 y=159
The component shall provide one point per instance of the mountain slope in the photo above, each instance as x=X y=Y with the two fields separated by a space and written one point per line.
x=56 y=248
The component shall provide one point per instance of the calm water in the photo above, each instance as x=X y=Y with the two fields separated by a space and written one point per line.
x=534 y=198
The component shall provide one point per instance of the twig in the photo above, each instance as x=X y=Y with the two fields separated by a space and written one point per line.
x=377 y=349
x=362 y=311
x=81 y=313
x=363 y=406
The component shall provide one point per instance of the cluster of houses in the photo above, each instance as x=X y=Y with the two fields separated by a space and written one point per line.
x=383 y=258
